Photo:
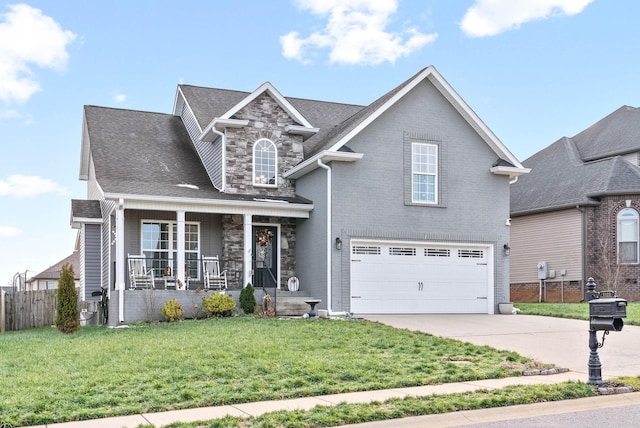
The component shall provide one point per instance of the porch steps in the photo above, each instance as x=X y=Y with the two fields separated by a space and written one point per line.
x=289 y=303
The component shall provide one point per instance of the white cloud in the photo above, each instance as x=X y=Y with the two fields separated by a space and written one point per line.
x=29 y=38
x=29 y=185
x=355 y=33
x=491 y=17
x=119 y=98
x=9 y=232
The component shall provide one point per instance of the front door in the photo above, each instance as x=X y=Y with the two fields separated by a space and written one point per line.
x=265 y=256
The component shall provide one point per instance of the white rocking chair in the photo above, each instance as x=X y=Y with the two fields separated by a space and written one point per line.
x=139 y=276
x=213 y=278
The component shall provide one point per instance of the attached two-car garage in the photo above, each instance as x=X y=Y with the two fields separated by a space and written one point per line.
x=411 y=278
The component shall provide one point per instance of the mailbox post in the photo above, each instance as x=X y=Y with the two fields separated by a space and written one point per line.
x=605 y=314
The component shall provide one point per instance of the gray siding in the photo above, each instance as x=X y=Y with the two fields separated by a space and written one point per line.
x=108 y=244
x=554 y=237
x=210 y=230
x=210 y=153
x=92 y=260
x=311 y=253
x=369 y=195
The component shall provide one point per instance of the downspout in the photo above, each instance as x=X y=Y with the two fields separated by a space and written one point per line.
x=584 y=249
x=223 y=143
x=328 y=169
x=329 y=242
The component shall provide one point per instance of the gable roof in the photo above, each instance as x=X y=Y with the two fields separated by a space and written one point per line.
x=340 y=135
x=149 y=154
x=53 y=272
x=580 y=170
x=152 y=154
x=616 y=134
x=210 y=103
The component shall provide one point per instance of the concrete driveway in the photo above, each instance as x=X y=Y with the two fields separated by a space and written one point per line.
x=558 y=341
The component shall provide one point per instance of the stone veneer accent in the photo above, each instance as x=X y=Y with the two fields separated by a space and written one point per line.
x=233 y=245
x=266 y=120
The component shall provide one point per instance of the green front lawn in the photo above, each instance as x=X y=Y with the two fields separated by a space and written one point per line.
x=48 y=377
x=578 y=311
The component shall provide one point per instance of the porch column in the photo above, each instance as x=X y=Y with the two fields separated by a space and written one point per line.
x=179 y=273
x=121 y=259
x=248 y=241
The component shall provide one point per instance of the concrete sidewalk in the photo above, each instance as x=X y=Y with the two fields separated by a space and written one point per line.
x=258 y=408
x=550 y=340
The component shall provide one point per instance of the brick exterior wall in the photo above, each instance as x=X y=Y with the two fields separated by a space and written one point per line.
x=552 y=291
x=602 y=251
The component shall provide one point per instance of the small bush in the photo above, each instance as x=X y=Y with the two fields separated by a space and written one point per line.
x=172 y=310
x=247 y=299
x=67 y=314
x=218 y=305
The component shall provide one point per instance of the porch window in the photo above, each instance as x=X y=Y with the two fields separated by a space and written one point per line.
x=264 y=163
x=160 y=245
x=424 y=173
x=628 y=236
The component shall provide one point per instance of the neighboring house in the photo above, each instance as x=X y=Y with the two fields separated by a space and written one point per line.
x=575 y=215
x=48 y=278
x=400 y=206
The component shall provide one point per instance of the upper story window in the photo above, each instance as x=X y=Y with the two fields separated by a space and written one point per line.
x=628 y=236
x=265 y=163
x=424 y=173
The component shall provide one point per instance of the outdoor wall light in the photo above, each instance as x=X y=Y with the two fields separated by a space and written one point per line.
x=338 y=243
x=507 y=249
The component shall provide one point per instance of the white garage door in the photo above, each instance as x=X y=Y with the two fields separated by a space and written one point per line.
x=396 y=278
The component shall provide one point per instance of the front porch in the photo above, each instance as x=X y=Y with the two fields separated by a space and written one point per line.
x=174 y=246
x=145 y=305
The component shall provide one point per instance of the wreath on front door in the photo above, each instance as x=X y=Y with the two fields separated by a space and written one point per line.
x=264 y=237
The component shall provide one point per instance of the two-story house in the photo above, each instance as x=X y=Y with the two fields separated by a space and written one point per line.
x=577 y=214
x=400 y=206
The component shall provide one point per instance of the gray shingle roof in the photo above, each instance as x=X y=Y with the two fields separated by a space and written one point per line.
x=145 y=153
x=86 y=209
x=615 y=134
x=53 y=272
x=579 y=170
x=209 y=103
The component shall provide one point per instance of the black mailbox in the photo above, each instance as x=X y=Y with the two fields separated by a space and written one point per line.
x=606 y=314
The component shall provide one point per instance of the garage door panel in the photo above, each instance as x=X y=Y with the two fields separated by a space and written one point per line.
x=421 y=278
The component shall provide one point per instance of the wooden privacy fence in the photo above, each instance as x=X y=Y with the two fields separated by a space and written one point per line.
x=21 y=310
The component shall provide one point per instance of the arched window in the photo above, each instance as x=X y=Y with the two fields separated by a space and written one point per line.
x=264 y=163
x=628 y=236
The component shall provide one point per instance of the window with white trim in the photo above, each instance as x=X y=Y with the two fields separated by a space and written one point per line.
x=265 y=161
x=424 y=173
x=160 y=244
x=628 y=236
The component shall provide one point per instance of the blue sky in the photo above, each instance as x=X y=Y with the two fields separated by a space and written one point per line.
x=533 y=70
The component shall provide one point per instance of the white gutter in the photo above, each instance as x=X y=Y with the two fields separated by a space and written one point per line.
x=328 y=169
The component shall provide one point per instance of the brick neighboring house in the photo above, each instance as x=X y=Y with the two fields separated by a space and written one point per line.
x=395 y=207
x=578 y=211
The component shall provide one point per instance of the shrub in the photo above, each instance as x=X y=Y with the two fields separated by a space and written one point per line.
x=247 y=299
x=172 y=310
x=218 y=305
x=67 y=315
